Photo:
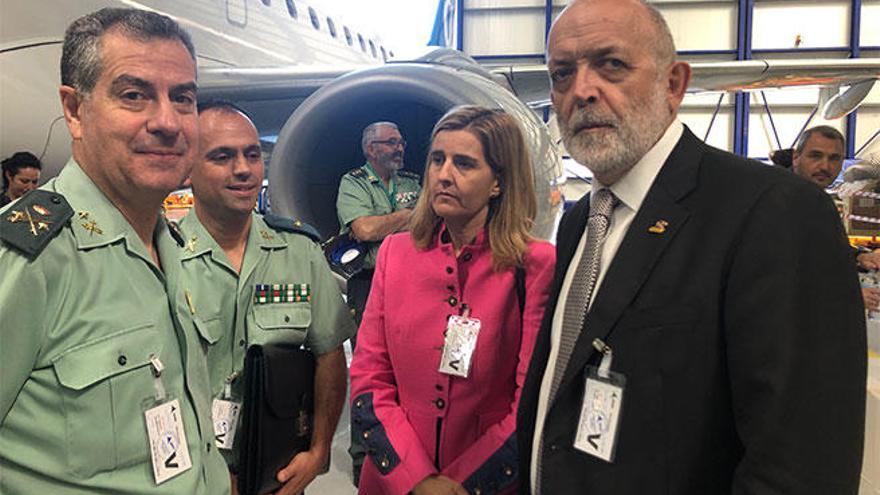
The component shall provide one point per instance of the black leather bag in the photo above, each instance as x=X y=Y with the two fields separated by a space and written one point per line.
x=277 y=411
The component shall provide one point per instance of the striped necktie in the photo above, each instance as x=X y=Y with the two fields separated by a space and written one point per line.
x=578 y=300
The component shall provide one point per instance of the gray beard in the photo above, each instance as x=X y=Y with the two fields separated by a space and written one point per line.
x=614 y=151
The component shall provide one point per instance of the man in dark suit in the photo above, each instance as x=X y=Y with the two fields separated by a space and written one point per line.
x=723 y=289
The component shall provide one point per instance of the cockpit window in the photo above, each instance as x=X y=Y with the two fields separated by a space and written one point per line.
x=347 y=32
x=373 y=49
x=361 y=41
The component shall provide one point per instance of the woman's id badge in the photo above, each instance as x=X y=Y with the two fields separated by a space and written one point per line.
x=459 y=345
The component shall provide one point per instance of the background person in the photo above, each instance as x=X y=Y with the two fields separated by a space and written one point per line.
x=818 y=155
x=104 y=386
x=374 y=200
x=715 y=302
x=429 y=431
x=232 y=252
x=21 y=173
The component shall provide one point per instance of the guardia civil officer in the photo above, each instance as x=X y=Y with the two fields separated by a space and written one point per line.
x=259 y=280
x=103 y=390
x=374 y=201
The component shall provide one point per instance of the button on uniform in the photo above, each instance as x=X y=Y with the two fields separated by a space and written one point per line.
x=440 y=403
x=453 y=301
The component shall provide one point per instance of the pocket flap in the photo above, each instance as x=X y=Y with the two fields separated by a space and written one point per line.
x=277 y=316
x=210 y=329
x=99 y=359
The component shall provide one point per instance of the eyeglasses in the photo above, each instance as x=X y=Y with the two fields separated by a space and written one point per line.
x=393 y=142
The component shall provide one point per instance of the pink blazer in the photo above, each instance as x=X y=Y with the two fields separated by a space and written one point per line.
x=415 y=420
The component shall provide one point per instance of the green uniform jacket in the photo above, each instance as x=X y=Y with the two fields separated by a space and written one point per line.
x=78 y=326
x=362 y=194
x=228 y=309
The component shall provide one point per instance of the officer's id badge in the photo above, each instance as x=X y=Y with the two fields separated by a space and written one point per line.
x=459 y=345
x=225 y=415
x=168 y=448
x=600 y=413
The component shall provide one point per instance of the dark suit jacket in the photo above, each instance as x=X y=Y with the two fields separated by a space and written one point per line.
x=740 y=331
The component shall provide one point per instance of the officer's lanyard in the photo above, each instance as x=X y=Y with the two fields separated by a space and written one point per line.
x=392 y=195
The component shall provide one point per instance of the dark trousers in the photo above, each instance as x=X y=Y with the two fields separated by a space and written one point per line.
x=358 y=291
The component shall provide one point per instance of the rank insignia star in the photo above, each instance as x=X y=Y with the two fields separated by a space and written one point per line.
x=267 y=236
x=191 y=244
x=16 y=217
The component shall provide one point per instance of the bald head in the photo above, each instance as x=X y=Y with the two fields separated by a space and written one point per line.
x=647 y=22
x=615 y=84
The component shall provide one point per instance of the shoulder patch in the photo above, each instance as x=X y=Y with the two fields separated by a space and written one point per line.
x=409 y=175
x=29 y=224
x=288 y=225
x=358 y=173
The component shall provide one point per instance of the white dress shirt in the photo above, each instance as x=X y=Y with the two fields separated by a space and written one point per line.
x=631 y=190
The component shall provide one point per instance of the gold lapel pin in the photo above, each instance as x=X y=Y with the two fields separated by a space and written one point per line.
x=267 y=236
x=659 y=227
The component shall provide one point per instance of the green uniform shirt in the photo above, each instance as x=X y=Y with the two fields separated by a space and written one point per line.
x=228 y=307
x=79 y=326
x=363 y=194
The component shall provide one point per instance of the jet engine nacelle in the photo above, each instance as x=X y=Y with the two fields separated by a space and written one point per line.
x=321 y=140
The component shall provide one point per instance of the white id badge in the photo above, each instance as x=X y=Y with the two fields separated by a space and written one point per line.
x=168 y=448
x=459 y=346
x=225 y=416
x=600 y=414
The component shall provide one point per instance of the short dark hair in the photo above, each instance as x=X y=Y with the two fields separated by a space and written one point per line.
x=81 y=57
x=825 y=130
x=223 y=105
x=18 y=161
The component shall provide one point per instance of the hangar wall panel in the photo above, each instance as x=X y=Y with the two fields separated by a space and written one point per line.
x=705 y=26
x=513 y=31
x=777 y=24
x=698 y=121
x=870 y=23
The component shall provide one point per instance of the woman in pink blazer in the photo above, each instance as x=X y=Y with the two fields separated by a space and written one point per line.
x=468 y=262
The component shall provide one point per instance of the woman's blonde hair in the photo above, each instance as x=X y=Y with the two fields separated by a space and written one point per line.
x=511 y=213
